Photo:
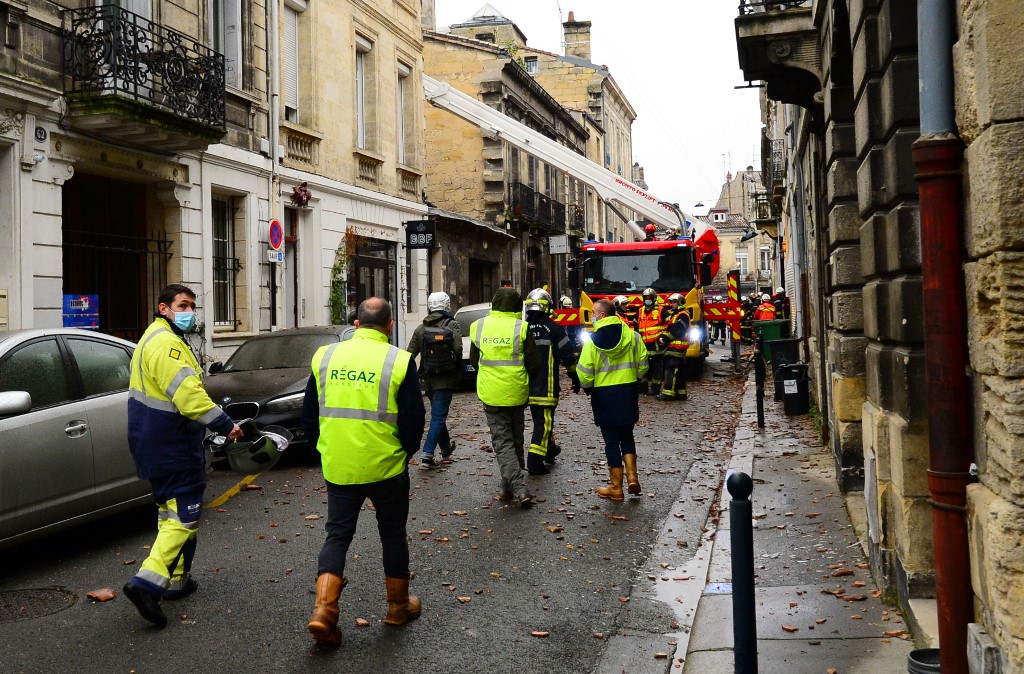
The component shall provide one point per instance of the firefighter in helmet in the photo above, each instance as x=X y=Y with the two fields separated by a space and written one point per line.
x=766 y=310
x=675 y=342
x=649 y=231
x=622 y=310
x=650 y=323
x=553 y=347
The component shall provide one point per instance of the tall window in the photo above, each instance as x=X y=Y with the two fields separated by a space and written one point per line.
x=290 y=64
x=741 y=262
x=531 y=172
x=404 y=103
x=224 y=262
x=363 y=68
x=226 y=37
x=766 y=258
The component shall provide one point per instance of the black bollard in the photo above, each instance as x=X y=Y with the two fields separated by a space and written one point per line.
x=759 y=385
x=741 y=536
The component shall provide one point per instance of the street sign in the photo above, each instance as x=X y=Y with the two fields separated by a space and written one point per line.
x=276 y=234
x=420 y=234
x=558 y=245
x=275 y=256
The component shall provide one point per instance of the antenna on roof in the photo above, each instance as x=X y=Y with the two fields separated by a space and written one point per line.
x=559 y=6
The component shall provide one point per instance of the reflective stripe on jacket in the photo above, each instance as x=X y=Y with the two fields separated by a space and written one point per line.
x=650 y=323
x=765 y=312
x=501 y=379
x=553 y=347
x=624 y=364
x=357 y=386
x=167 y=405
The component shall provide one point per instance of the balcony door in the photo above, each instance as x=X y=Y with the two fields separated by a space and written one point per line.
x=132 y=70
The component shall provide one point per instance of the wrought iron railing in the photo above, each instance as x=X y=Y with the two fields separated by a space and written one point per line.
x=762 y=206
x=577 y=218
x=524 y=201
x=773 y=161
x=557 y=216
x=224 y=271
x=762 y=6
x=544 y=209
x=109 y=50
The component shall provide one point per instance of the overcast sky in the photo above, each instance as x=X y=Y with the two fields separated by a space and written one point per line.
x=676 y=62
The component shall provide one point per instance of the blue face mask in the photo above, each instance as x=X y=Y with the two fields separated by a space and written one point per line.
x=184 y=320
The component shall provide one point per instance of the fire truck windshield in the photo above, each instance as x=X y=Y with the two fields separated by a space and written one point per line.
x=614 y=273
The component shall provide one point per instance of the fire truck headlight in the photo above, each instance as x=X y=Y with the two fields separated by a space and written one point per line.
x=584 y=336
x=694 y=334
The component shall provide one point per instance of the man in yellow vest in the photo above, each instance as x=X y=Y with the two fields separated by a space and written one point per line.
x=364 y=413
x=168 y=414
x=501 y=351
x=611 y=365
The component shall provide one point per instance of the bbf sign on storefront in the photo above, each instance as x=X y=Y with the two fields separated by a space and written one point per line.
x=419 y=234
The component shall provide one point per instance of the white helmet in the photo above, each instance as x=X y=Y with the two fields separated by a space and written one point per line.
x=620 y=302
x=780 y=291
x=766 y=297
x=566 y=302
x=538 y=300
x=439 y=301
x=675 y=297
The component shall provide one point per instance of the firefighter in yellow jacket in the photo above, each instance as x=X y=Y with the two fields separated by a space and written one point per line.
x=363 y=411
x=168 y=409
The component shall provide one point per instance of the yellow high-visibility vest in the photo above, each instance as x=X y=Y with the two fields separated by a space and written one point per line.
x=501 y=379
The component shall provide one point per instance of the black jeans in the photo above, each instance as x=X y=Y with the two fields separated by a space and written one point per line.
x=390 y=499
x=618 y=441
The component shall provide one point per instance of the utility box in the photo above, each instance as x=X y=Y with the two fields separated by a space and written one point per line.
x=796 y=399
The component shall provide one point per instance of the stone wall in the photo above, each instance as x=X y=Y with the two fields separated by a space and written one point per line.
x=990 y=106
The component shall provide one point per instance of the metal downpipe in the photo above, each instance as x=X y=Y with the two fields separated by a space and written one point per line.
x=938 y=155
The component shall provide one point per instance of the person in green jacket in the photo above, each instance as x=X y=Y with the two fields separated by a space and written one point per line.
x=502 y=351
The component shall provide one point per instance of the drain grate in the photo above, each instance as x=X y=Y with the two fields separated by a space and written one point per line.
x=33 y=603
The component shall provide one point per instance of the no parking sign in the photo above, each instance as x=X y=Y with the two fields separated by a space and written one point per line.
x=276 y=234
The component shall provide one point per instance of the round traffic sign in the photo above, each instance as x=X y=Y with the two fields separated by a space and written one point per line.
x=276 y=234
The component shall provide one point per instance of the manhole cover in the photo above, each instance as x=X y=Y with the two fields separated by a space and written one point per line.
x=33 y=603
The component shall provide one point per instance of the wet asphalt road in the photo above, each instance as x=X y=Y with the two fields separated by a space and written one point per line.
x=581 y=569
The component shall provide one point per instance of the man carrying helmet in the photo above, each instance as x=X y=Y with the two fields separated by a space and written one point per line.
x=553 y=346
x=438 y=342
x=766 y=310
x=675 y=341
x=650 y=324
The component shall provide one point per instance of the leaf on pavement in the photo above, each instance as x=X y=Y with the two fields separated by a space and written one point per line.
x=464 y=600
x=841 y=572
x=820 y=621
x=362 y=622
x=543 y=634
x=312 y=517
x=789 y=628
x=103 y=594
x=660 y=655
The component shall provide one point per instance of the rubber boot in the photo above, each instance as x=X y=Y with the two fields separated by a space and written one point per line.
x=631 y=478
x=323 y=624
x=614 y=491
x=402 y=607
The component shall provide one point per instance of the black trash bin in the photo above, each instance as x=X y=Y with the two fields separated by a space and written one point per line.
x=784 y=351
x=796 y=396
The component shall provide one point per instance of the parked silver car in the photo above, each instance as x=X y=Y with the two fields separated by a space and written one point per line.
x=64 y=455
x=466 y=316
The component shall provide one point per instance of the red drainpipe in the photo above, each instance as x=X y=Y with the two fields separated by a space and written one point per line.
x=937 y=160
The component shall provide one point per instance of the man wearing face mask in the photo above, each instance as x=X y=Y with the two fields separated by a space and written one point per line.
x=650 y=323
x=168 y=410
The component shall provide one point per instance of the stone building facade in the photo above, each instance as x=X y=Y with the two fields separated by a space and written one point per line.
x=509 y=201
x=115 y=186
x=841 y=80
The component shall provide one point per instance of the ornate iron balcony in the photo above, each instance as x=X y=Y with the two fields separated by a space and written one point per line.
x=577 y=218
x=524 y=201
x=111 y=53
x=557 y=216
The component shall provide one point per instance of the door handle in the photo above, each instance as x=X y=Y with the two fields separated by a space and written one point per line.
x=75 y=429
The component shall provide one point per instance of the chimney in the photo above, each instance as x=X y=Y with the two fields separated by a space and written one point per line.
x=427 y=15
x=577 y=38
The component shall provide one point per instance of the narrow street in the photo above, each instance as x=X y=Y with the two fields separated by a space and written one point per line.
x=603 y=583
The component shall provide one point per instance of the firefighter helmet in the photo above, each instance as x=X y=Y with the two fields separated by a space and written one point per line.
x=439 y=301
x=620 y=302
x=675 y=297
x=650 y=229
x=650 y=292
x=780 y=291
x=566 y=302
x=538 y=300
x=766 y=297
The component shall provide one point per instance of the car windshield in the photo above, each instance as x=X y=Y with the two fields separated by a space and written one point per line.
x=269 y=353
x=607 y=273
x=466 y=318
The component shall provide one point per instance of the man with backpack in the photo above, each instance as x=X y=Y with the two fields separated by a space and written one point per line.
x=438 y=343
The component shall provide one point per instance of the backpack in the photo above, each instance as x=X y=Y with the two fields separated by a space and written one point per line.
x=439 y=349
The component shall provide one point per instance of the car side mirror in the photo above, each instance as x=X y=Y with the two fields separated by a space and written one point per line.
x=14 y=402
x=707 y=258
x=705 y=275
x=216 y=367
x=571 y=264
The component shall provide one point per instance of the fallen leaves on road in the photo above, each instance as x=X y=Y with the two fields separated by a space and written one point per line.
x=362 y=622
x=543 y=634
x=789 y=628
x=660 y=655
x=103 y=594
x=464 y=600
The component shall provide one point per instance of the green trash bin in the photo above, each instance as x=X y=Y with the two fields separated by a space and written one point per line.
x=767 y=331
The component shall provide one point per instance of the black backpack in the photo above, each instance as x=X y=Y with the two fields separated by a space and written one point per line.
x=439 y=349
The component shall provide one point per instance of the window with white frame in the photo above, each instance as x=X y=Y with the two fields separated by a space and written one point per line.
x=290 y=63
x=530 y=63
x=226 y=37
x=364 y=89
x=225 y=262
x=405 y=108
x=742 y=263
x=766 y=258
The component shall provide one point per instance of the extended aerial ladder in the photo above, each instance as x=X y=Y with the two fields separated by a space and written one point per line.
x=609 y=186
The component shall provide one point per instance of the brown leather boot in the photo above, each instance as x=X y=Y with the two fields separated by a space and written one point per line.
x=631 y=478
x=323 y=625
x=614 y=491
x=402 y=607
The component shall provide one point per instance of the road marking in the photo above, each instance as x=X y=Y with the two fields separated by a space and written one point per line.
x=223 y=498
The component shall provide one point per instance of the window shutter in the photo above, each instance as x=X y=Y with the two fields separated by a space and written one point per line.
x=232 y=43
x=290 y=65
